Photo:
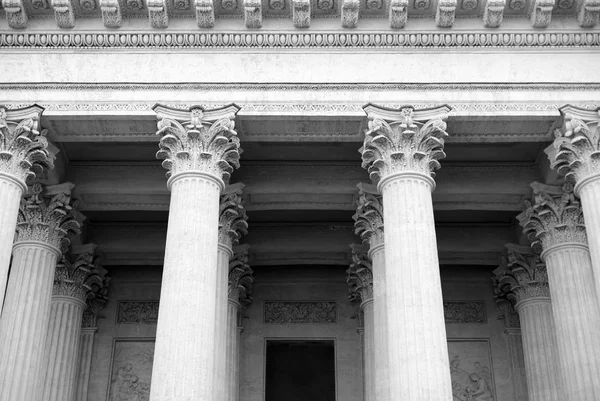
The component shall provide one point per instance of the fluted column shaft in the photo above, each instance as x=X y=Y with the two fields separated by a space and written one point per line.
x=380 y=352
x=221 y=323
x=85 y=363
x=516 y=355
x=589 y=192
x=11 y=190
x=417 y=346
x=185 y=338
x=28 y=304
x=540 y=349
x=62 y=348
x=232 y=357
x=369 y=349
x=577 y=319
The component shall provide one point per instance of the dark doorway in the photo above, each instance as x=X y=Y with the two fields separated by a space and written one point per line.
x=300 y=370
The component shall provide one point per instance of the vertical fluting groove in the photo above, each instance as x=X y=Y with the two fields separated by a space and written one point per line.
x=590 y=196
x=369 y=350
x=10 y=196
x=232 y=357
x=185 y=343
x=517 y=364
x=540 y=350
x=380 y=325
x=417 y=346
x=220 y=324
x=62 y=348
x=85 y=363
x=24 y=326
x=577 y=319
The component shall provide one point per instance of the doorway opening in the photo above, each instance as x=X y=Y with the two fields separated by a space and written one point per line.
x=300 y=370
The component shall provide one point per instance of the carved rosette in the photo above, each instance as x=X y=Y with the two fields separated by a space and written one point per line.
x=368 y=219
x=405 y=140
x=23 y=149
x=524 y=275
x=233 y=220
x=576 y=148
x=47 y=215
x=360 y=276
x=198 y=140
x=240 y=279
x=554 y=218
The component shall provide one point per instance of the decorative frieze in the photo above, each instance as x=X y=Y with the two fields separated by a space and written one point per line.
x=145 y=312
x=465 y=312
x=284 y=312
x=555 y=217
x=232 y=216
x=368 y=219
x=47 y=214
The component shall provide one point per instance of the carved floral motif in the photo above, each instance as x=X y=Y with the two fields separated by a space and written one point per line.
x=240 y=278
x=300 y=312
x=588 y=13
x=229 y=5
x=505 y=300
x=524 y=274
x=157 y=13
x=445 y=13
x=78 y=278
x=541 y=13
x=465 y=312
x=196 y=143
x=325 y=5
x=232 y=216
x=47 y=216
x=205 y=13
x=97 y=302
x=40 y=4
x=554 y=218
x=565 y=4
x=63 y=13
x=301 y=13
x=253 y=13
x=493 y=13
x=87 y=5
x=23 y=149
x=276 y=4
x=405 y=145
x=350 y=10
x=15 y=13
x=517 y=5
x=145 y=312
x=469 y=4
x=398 y=13
x=134 y=4
x=368 y=219
x=111 y=13
x=421 y=4
x=360 y=276
x=373 y=4
x=181 y=5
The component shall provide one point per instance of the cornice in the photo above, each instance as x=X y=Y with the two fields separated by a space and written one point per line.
x=292 y=40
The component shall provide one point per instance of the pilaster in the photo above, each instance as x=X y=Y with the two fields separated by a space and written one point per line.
x=23 y=155
x=200 y=150
x=400 y=151
x=46 y=218
x=554 y=221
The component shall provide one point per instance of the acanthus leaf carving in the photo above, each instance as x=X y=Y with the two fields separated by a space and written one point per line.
x=588 y=13
x=48 y=215
x=360 y=275
x=198 y=140
x=111 y=13
x=554 y=218
x=76 y=276
x=576 y=148
x=158 y=14
x=446 y=10
x=16 y=14
x=205 y=13
x=408 y=144
x=63 y=13
x=240 y=278
x=350 y=10
x=368 y=219
x=23 y=149
x=301 y=13
x=493 y=13
x=97 y=297
x=398 y=13
x=541 y=13
x=233 y=220
x=505 y=300
x=253 y=13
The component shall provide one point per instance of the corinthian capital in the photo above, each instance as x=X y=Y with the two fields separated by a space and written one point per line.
x=360 y=275
x=76 y=276
x=97 y=297
x=240 y=277
x=368 y=219
x=198 y=140
x=524 y=275
x=505 y=300
x=233 y=220
x=47 y=214
x=405 y=140
x=23 y=148
x=575 y=152
x=554 y=218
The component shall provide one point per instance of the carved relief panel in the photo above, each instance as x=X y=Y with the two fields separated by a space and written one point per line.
x=131 y=369
x=471 y=370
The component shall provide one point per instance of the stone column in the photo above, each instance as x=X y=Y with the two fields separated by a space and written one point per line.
x=23 y=153
x=574 y=154
x=360 y=286
x=369 y=226
x=526 y=278
x=555 y=221
x=74 y=281
x=200 y=149
x=504 y=299
x=45 y=220
x=239 y=297
x=232 y=224
x=400 y=151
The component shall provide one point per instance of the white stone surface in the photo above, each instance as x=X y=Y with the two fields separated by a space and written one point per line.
x=86 y=344
x=62 y=348
x=369 y=350
x=24 y=324
x=232 y=358
x=221 y=324
x=380 y=333
x=590 y=198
